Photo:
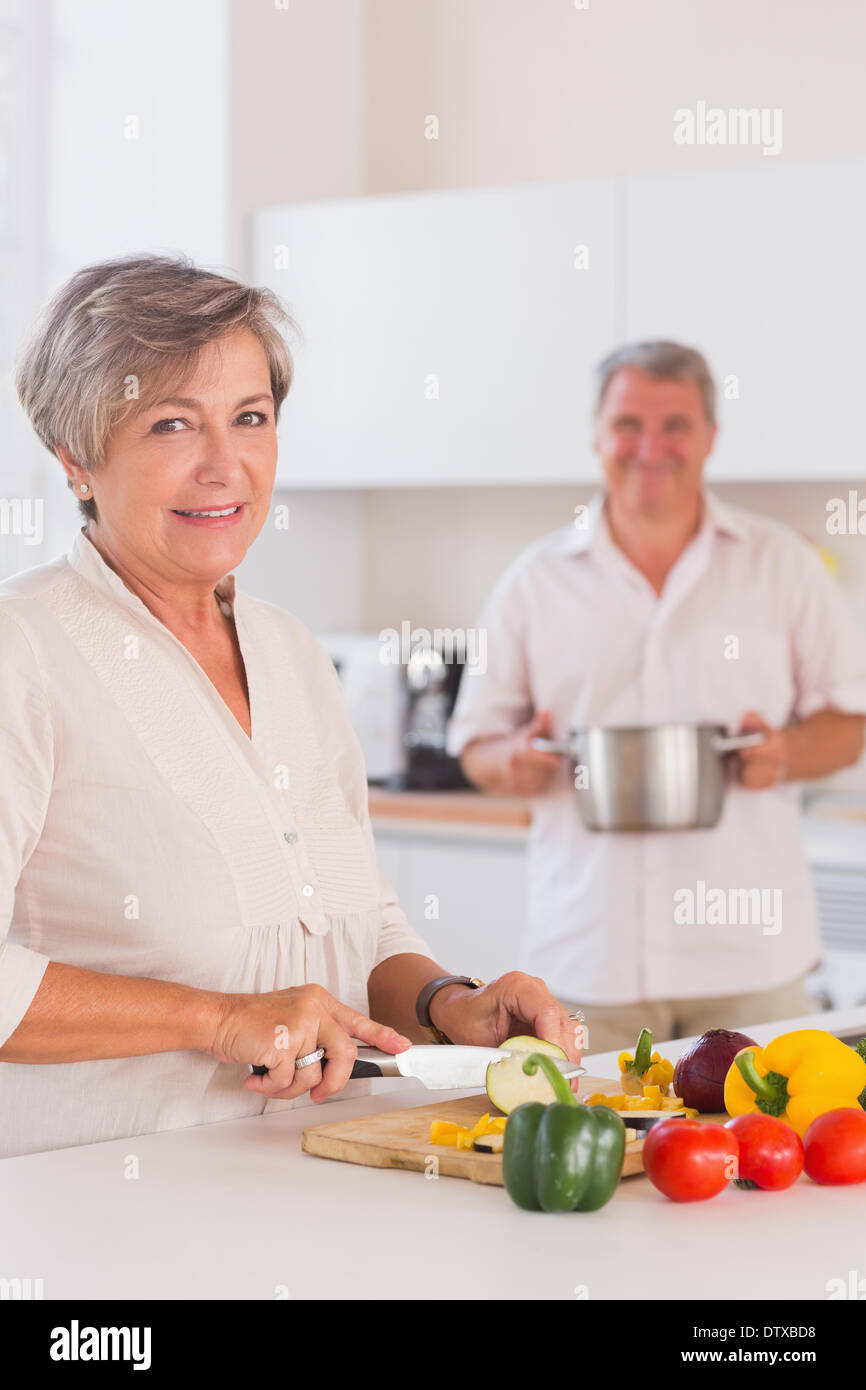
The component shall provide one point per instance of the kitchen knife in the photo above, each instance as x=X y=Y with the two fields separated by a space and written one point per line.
x=448 y=1068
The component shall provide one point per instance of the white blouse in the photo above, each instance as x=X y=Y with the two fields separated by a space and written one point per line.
x=143 y=833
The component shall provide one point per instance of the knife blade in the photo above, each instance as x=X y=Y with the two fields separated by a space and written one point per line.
x=452 y=1067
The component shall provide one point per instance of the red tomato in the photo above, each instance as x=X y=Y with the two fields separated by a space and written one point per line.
x=835 y=1145
x=771 y=1152
x=689 y=1161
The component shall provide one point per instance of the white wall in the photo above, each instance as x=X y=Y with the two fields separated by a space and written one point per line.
x=139 y=123
x=313 y=569
x=133 y=157
x=297 y=106
x=539 y=89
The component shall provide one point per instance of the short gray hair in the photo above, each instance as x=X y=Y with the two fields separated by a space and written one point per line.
x=145 y=317
x=664 y=360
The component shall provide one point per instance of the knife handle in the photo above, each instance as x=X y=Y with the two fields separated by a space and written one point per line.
x=374 y=1063
x=359 y=1069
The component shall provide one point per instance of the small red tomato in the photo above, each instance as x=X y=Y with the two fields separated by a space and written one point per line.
x=689 y=1161
x=771 y=1152
x=835 y=1145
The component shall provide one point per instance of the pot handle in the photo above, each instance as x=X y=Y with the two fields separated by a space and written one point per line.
x=733 y=742
x=552 y=745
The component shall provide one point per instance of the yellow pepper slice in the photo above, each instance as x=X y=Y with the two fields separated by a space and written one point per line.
x=444 y=1132
x=615 y=1102
x=660 y=1074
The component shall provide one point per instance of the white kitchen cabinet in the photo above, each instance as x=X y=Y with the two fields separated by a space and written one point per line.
x=448 y=337
x=763 y=270
x=477 y=885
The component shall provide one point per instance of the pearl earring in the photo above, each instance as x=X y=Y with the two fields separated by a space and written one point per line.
x=84 y=487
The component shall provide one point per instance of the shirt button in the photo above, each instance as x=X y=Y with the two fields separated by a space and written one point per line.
x=307 y=890
x=290 y=837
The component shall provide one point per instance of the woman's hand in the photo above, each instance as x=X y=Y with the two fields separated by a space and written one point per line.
x=271 y=1030
x=514 y=1005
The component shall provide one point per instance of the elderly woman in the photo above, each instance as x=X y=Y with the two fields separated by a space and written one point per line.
x=189 y=877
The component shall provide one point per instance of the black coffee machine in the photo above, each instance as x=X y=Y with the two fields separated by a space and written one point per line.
x=433 y=679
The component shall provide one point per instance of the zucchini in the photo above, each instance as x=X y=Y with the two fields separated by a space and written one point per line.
x=490 y=1143
x=508 y=1084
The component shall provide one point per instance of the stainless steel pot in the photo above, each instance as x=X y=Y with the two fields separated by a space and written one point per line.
x=668 y=777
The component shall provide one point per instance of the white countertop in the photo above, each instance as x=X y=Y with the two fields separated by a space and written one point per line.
x=235 y=1210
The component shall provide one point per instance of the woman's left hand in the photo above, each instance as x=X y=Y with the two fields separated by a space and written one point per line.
x=514 y=1005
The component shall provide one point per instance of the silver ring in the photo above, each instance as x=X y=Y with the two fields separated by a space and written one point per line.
x=310 y=1059
x=580 y=1016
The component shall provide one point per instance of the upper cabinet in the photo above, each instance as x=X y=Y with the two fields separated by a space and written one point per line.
x=451 y=337
x=763 y=270
x=446 y=337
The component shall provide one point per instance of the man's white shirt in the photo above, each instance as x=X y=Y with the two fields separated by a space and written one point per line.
x=748 y=619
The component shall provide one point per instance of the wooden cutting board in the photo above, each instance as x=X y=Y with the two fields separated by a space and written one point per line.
x=401 y=1138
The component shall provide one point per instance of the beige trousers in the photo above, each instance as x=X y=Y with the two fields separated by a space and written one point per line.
x=615 y=1027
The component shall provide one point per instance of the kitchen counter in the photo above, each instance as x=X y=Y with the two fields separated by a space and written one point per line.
x=466 y=808
x=235 y=1210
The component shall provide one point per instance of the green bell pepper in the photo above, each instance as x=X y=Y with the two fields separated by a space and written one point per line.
x=564 y=1156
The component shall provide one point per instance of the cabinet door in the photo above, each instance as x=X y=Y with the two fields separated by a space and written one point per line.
x=447 y=337
x=763 y=270
x=466 y=898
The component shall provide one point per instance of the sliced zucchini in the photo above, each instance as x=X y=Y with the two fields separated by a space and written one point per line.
x=645 y=1119
x=489 y=1143
x=508 y=1084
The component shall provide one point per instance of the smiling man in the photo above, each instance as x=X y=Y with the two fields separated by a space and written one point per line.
x=662 y=605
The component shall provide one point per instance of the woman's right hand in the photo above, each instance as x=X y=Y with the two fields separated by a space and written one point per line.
x=271 y=1030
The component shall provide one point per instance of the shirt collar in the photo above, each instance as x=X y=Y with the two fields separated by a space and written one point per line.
x=87 y=561
x=719 y=517
x=590 y=528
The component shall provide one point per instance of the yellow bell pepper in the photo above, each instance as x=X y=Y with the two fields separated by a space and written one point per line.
x=460 y=1136
x=796 y=1077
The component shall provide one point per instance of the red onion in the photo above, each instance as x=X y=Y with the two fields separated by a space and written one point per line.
x=699 y=1077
